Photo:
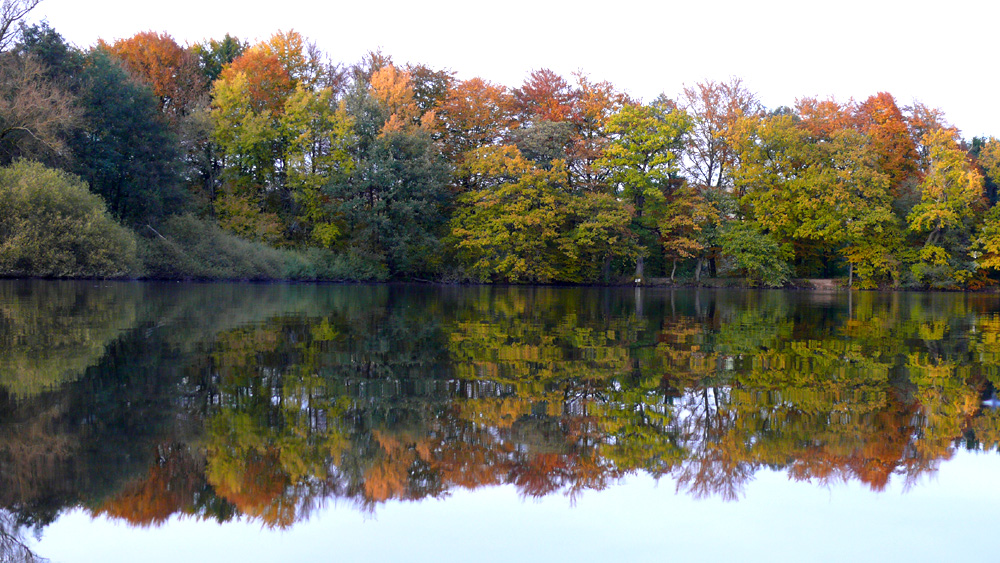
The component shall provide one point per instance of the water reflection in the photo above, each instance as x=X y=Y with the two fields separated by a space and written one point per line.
x=143 y=401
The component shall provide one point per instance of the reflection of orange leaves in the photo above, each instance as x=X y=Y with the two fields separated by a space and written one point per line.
x=472 y=464
x=169 y=487
x=540 y=474
x=389 y=476
x=385 y=481
x=258 y=488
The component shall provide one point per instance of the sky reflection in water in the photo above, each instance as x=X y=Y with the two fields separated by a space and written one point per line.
x=948 y=517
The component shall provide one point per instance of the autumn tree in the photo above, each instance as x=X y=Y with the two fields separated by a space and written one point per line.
x=545 y=96
x=987 y=156
x=714 y=108
x=523 y=225
x=643 y=164
x=249 y=101
x=709 y=158
x=393 y=89
x=951 y=193
x=171 y=71
x=822 y=119
x=824 y=195
x=595 y=104
x=475 y=114
x=882 y=120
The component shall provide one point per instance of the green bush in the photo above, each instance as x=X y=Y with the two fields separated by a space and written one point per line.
x=322 y=264
x=757 y=253
x=185 y=247
x=51 y=225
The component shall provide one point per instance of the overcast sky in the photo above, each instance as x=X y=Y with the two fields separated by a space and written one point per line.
x=940 y=53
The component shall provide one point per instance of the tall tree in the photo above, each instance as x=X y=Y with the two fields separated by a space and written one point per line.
x=714 y=108
x=545 y=96
x=643 y=164
x=474 y=114
x=171 y=71
x=881 y=119
x=215 y=54
x=125 y=149
x=709 y=158
x=951 y=194
x=595 y=103
x=430 y=87
x=249 y=102
x=391 y=202
x=320 y=149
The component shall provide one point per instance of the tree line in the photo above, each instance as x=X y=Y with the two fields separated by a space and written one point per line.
x=231 y=159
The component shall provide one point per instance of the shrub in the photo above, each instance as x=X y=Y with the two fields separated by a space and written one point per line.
x=51 y=225
x=757 y=253
x=185 y=247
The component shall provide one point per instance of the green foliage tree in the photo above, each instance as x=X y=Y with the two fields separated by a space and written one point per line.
x=320 y=149
x=391 y=200
x=757 y=252
x=215 y=54
x=125 y=150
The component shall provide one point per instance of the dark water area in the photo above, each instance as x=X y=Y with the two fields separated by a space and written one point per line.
x=143 y=421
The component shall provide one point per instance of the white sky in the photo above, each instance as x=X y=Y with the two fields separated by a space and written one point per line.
x=939 y=53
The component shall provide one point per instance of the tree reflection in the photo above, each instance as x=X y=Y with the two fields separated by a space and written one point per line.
x=270 y=401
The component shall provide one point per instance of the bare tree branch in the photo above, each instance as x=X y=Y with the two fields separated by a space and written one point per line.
x=11 y=12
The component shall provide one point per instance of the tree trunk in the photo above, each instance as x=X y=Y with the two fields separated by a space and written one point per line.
x=932 y=238
x=640 y=267
x=850 y=276
x=673 y=271
x=697 y=270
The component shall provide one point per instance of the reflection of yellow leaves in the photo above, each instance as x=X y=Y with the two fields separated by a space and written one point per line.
x=56 y=332
x=933 y=330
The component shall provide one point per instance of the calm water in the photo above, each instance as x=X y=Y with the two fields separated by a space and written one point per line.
x=272 y=422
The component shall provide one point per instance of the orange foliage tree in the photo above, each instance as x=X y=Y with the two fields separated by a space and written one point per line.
x=170 y=70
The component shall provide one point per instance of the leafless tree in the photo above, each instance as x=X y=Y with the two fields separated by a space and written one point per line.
x=12 y=12
x=13 y=548
x=34 y=112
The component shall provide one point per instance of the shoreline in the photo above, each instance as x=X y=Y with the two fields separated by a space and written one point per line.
x=817 y=285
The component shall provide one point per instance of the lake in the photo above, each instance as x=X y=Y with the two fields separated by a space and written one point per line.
x=249 y=422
